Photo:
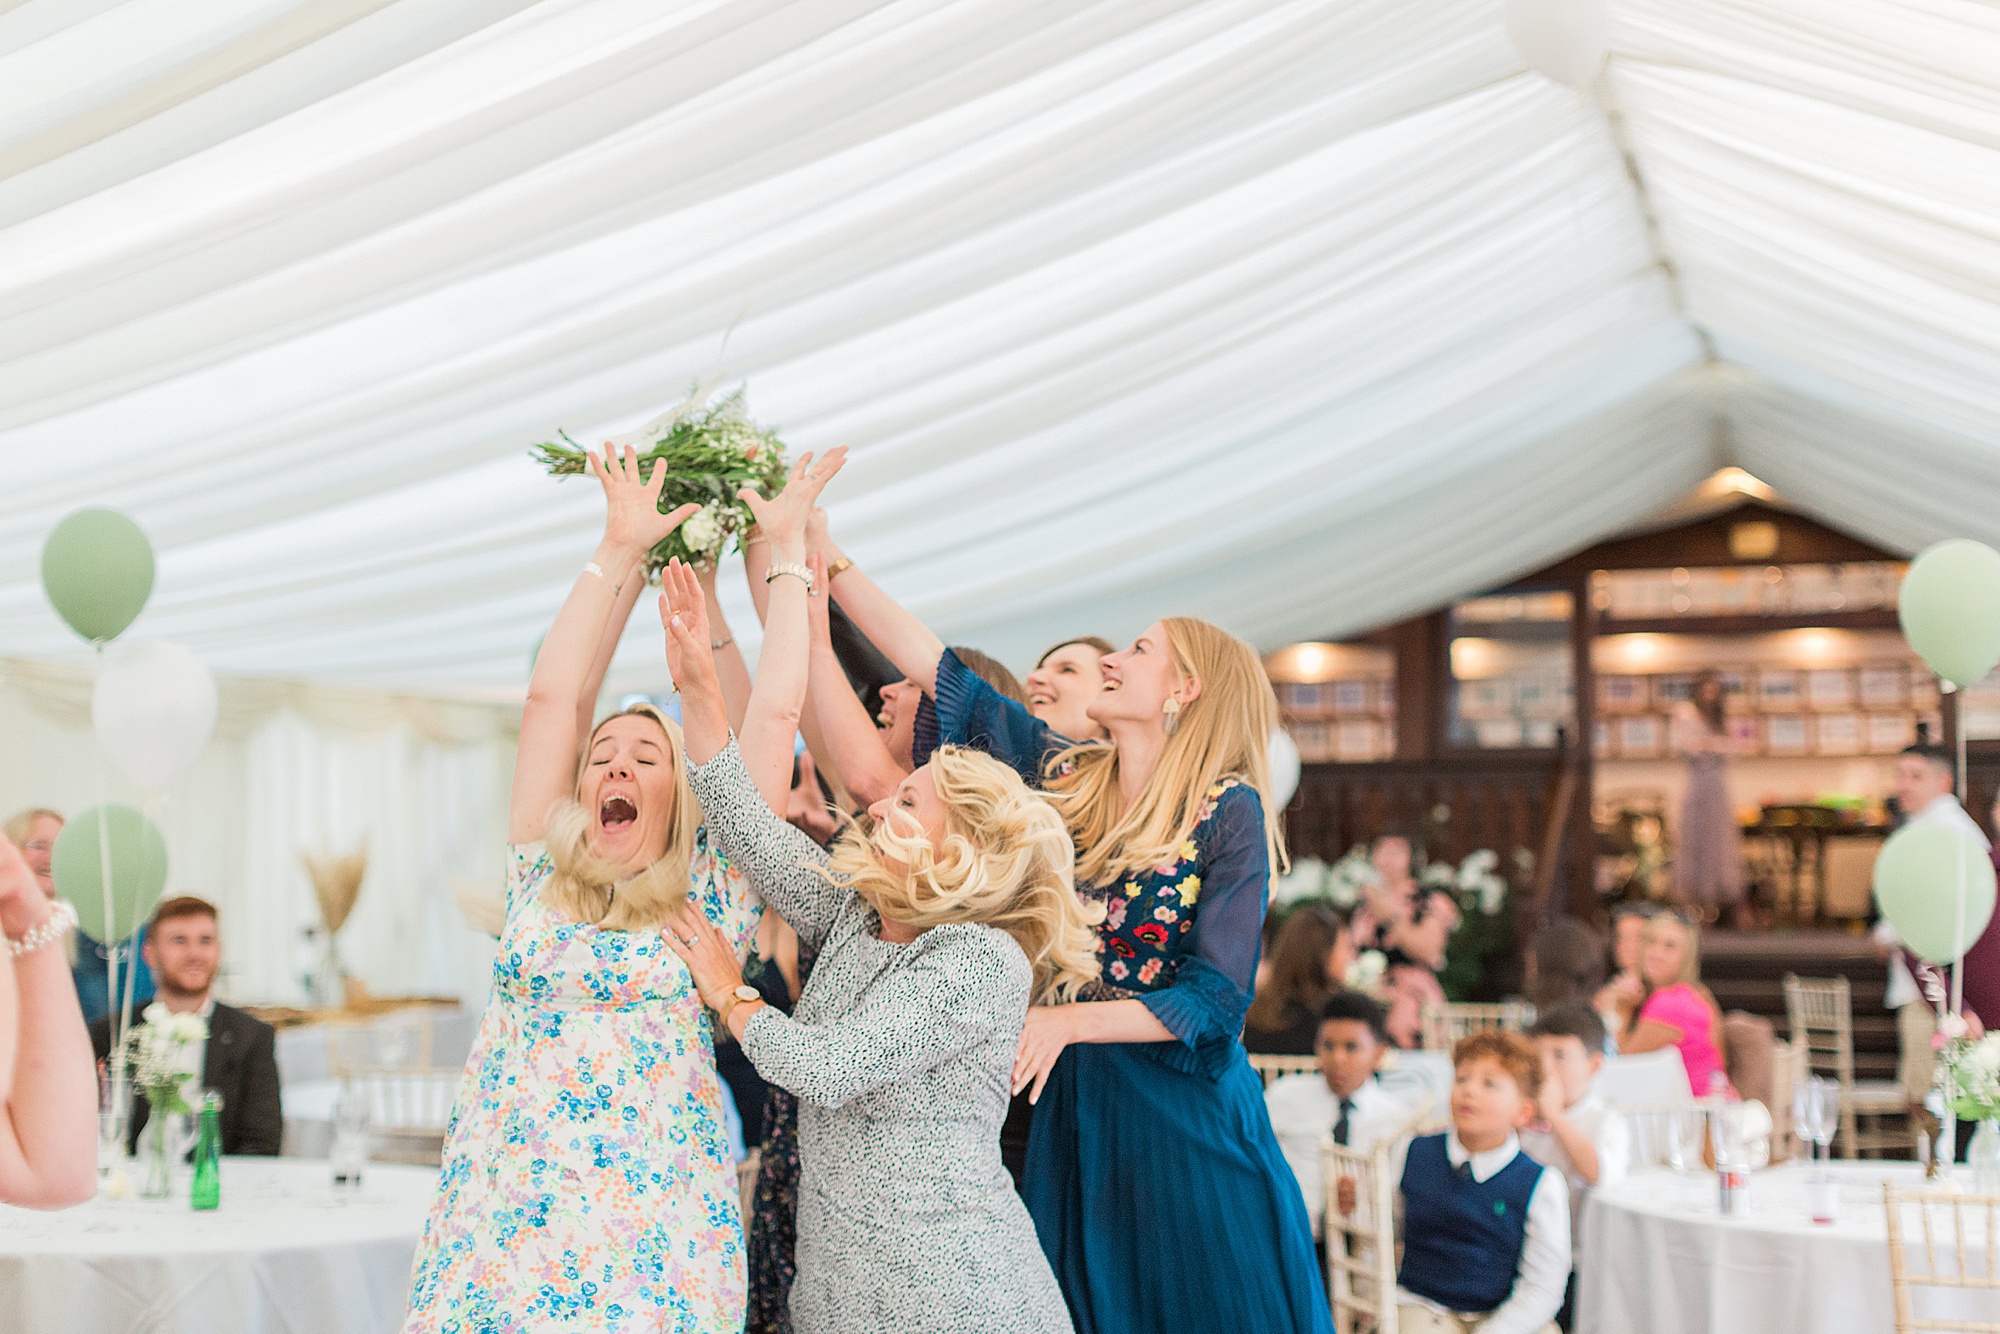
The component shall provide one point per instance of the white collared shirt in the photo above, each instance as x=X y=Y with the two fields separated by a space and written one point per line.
x=1303 y=1112
x=1941 y=809
x=1545 y=1251
x=1608 y=1133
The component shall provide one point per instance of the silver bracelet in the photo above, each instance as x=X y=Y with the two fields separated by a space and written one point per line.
x=802 y=573
x=60 y=921
x=592 y=567
x=717 y=645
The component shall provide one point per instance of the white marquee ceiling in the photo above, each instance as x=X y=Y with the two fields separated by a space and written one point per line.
x=1296 y=314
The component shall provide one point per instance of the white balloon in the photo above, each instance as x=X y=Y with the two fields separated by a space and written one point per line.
x=1284 y=767
x=1563 y=39
x=153 y=709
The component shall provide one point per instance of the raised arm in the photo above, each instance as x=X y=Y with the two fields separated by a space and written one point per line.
x=854 y=746
x=624 y=598
x=776 y=702
x=903 y=639
x=545 y=762
x=730 y=669
x=781 y=863
x=48 y=1093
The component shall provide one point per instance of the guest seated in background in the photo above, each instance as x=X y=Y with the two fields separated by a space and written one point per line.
x=1416 y=950
x=1308 y=964
x=34 y=833
x=1485 y=1227
x=1678 y=1010
x=1619 y=999
x=184 y=950
x=1389 y=898
x=1343 y=1100
x=48 y=1094
x=1576 y=1135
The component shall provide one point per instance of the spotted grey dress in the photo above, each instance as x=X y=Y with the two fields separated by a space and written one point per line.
x=900 y=1056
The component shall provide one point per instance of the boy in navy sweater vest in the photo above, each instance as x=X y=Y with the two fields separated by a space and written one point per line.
x=1485 y=1227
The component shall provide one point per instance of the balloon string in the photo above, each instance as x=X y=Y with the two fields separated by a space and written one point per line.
x=114 y=949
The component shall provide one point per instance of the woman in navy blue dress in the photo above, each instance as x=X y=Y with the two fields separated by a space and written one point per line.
x=1153 y=1177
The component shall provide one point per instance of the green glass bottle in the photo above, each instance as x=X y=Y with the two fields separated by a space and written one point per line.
x=207 y=1190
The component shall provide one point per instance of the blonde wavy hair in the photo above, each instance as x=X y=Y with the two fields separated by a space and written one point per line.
x=1223 y=732
x=588 y=888
x=1006 y=861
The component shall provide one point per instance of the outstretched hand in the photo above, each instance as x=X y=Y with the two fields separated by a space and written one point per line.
x=684 y=616
x=783 y=517
x=632 y=518
x=706 y=952
x=1043 y=1039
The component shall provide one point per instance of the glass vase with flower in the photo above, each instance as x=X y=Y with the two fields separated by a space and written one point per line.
x=1969 y=1074
x=164 y=1055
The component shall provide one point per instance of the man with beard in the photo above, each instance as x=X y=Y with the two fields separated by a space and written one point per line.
x=184 y=949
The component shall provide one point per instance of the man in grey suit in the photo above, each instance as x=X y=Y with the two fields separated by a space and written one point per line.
x=184 y=950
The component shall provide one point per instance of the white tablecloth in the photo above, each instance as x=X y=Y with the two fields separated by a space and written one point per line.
x=285 y=1254
x=1659 y=1258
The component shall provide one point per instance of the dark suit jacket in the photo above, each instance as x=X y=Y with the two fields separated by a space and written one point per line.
x=241 y=1064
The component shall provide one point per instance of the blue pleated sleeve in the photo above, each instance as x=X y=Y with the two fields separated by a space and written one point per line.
x=1213 y=984
x=973 y=714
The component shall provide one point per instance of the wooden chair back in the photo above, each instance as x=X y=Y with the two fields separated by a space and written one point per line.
x=1821 y=1012
x=1271 y=1069
x=1443 y=1027
x=1954 y=1247
x=408 y=1111
x=1361 y=1243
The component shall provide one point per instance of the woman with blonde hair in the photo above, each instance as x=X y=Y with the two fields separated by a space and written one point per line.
x=935 y=930
x=587 y=1180
x=1154 y=1179
x=1678 y=1011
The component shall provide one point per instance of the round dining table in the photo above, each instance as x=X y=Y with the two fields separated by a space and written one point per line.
x=1659 y=1257
x=286 y=1253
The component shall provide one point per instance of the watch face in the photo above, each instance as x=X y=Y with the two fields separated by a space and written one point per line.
x=747 y=992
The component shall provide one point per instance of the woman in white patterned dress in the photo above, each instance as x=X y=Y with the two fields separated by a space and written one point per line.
x=933 y=934
x=587 y=1181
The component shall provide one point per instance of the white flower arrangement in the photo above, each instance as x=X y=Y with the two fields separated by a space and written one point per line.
x=165 y=1055
x=1306 y=880
x=1348 y=877
x=1479 y=879
x=1971 y=1076
x=705 y=531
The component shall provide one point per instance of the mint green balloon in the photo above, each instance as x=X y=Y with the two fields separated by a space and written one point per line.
x=97 y=568
x=1949 y=607
x=1916 y=886
x=138 y=870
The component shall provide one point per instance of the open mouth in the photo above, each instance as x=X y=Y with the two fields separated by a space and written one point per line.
x=1040 y=699
x=884 y=721
x=616 y=813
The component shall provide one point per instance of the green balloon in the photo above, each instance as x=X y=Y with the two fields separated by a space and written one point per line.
x=138 y=869
x=1916 y=885
x=1949 y=607
x=97 y=568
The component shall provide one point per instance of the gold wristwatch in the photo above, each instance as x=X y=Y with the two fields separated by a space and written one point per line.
x=743 y=992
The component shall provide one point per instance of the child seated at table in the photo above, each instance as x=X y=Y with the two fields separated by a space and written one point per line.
x=1575 y=1134
x=1343 y=1100
x=1485 y=1227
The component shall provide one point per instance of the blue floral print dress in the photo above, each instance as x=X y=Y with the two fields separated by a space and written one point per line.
x=587 y=1182
x=1153 y=1176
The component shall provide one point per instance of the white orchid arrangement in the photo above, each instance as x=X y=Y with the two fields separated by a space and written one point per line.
x=165 y=1055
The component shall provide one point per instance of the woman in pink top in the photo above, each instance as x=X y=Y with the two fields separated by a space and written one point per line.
x=1678 y=1011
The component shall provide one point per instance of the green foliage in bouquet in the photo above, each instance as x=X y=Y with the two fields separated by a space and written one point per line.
x=710 y=453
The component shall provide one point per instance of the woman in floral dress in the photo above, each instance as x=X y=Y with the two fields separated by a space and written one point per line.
x=587 y=1181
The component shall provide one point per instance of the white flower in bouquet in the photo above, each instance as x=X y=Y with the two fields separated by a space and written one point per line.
x=1438 y=875
x=704 y=532
x=1365 y=973
x=1478 y=879
x=1349 y=876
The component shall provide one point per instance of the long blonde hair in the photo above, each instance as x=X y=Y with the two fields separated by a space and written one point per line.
x=588 y=887
x=1006 y=862
x=1223 y=732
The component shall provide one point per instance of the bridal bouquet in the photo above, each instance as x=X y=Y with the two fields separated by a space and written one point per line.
x=710 y=453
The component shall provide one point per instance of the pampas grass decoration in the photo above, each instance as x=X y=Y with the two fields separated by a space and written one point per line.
x=336 y=884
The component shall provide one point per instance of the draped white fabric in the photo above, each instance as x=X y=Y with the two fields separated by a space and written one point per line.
x=1292 y=314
